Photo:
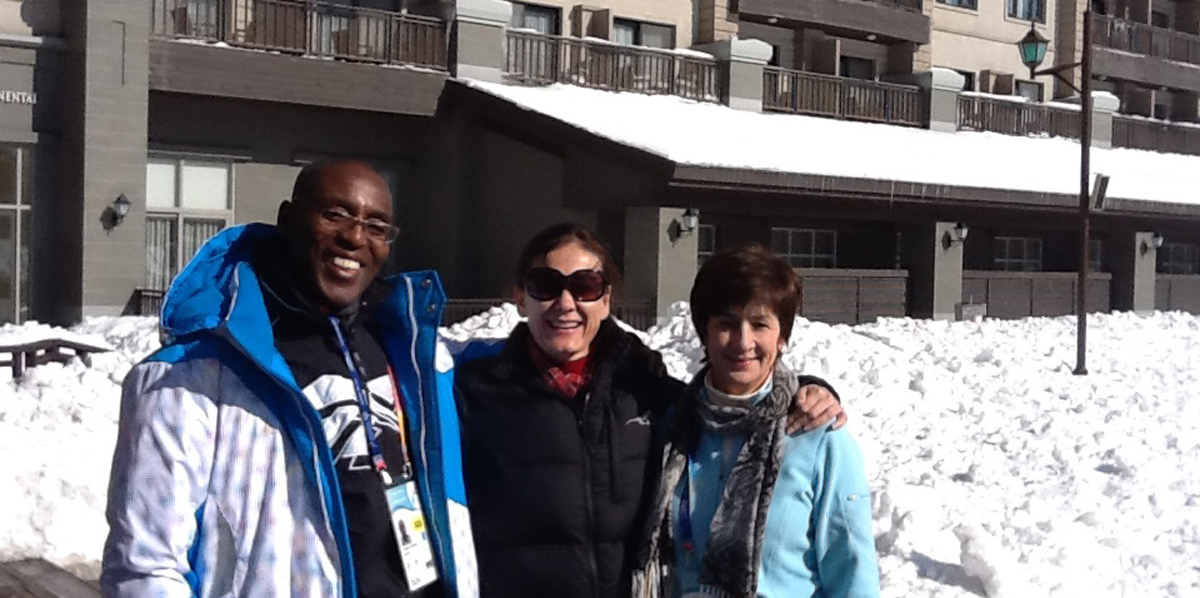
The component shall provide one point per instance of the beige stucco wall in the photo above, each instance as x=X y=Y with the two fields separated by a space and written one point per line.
x=985 y=39
x=661 y=12
x=29 y=17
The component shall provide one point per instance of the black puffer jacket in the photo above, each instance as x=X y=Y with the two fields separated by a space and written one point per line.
x=556 y=485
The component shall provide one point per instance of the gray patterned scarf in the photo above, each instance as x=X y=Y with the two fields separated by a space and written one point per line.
x=734 y=549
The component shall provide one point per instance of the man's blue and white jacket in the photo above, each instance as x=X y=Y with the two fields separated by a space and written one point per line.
x=223 y=482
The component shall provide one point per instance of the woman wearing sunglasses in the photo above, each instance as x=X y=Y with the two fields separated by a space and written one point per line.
x=742 y=509
x=558 y=426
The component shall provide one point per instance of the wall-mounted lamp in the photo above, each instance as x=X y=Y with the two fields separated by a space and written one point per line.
x=955 y=236
x=1156 y=241
x=689 y=222
x=120 y=209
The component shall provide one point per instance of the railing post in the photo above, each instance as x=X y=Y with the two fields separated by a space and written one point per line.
x=478 y=41
x=740 y=63
x=940 y=89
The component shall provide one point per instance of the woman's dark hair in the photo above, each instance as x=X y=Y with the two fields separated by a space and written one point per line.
x=564 y=233
x=741 y=276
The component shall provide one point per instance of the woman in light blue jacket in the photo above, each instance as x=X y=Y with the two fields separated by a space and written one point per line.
x=742 y=508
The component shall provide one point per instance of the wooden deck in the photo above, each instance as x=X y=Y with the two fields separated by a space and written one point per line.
x=36 y=578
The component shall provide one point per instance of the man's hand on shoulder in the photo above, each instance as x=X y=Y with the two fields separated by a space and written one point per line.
x=812 y=407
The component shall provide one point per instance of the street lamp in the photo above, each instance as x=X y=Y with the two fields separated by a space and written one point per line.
x=1033 y=51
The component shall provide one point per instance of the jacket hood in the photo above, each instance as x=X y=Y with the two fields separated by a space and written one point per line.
x=204 y=293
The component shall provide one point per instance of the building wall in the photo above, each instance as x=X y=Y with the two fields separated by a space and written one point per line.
x=664 y=12
x=268 y=143
x=985 y=39
x=519 y=192
x=30 y=18
x=104 y=139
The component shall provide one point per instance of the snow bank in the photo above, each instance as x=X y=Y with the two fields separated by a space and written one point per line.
x=57 y=431
x=995 y=471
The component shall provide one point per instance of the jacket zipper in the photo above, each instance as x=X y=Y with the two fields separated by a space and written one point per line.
x=424 y=464
x=594 y=578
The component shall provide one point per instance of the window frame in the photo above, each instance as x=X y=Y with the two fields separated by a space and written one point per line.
x=22 y=211
x=1012 y=10
x=794 y=253
x=181 y=214
x=520 y=8
x=639 y=34
x=702 y=252
x=1005 y=261
x=1041 y=89
x=963 y=4
x=1179 y=258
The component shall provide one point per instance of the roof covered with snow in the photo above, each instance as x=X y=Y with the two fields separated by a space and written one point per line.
x=709 y=135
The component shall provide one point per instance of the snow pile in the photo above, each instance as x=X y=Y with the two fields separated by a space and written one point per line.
x=996 y=472
x=666 y=126
x=57 y=432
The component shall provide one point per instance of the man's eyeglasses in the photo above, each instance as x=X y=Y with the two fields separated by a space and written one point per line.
x=547 y=284
x=341 y=221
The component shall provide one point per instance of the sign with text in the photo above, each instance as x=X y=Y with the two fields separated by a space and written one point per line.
x=17 y=97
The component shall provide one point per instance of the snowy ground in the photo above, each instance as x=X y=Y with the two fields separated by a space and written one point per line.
x=995 y=471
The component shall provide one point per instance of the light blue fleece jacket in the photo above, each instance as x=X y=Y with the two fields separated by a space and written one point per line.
x=818 y=540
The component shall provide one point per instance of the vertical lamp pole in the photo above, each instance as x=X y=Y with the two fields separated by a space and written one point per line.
x=1033 y=50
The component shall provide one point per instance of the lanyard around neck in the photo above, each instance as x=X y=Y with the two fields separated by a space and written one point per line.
x=364 y=404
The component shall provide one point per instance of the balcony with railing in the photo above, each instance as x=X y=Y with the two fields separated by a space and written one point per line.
x=984 y=113
x=1154 y=57
x=306 y=28
x=1141 y=133
x=816 y=94
x=538 y=59
x=1148 y=40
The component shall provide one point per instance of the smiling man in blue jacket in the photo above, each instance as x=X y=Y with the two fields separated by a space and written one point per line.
x=293 y=436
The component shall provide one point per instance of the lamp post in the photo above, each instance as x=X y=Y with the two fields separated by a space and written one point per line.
x=1033 y=51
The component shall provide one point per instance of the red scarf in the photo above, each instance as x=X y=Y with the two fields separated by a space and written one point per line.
x=566 y=378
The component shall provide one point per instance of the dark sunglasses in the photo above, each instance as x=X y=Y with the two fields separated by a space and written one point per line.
x=547 y=284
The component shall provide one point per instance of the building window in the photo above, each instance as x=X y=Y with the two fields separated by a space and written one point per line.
x=1017 y=254
x=1030 y=90
x=543 y=19
x=968 y=80
x=636 y=33
x=971 y=4
x=706 y=242
x=1027 y=10
x=16 y=181
x=1179 y=258
x=187 y=202
x=1095 y=255
x=856 y=68
x=805 y=248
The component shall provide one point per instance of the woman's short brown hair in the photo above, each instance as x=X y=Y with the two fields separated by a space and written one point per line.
x=563 y=233
x=742 y=276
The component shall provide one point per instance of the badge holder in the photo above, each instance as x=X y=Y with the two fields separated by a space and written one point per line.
x=410 y=530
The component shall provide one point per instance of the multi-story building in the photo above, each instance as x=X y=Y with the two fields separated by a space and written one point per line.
x=133 y=130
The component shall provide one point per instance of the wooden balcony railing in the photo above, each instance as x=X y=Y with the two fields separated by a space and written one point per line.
x=840 y=97
x=1140 y=38
x=306 y=27
x=1139 y=133
x=544 y=59
x=981 y=113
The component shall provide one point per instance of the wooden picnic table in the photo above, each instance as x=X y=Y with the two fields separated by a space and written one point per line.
x=29 y=354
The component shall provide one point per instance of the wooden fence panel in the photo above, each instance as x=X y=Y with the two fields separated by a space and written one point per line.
x=830 y=300
x=1053 y=297
x=882 y=298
